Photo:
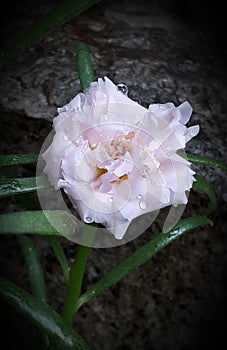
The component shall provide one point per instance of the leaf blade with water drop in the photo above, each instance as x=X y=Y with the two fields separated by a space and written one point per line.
x=16 y=186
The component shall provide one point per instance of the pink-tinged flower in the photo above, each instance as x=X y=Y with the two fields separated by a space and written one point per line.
x=117 y=160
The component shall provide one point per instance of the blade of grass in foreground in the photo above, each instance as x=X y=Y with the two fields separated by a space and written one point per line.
x=62 y=337
x=84 y=66
x=36 y=222
x=34 y=267
x=202 y=185
x=60 y=255
x=15 y=186
x=18 y=159
x=193 y=158
x=66 y=10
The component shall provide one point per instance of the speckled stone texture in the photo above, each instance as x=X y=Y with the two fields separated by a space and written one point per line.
x=162 y=52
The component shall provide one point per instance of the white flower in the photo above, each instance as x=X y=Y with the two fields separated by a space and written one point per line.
x=117 y=160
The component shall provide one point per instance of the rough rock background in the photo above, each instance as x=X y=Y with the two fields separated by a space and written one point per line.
x=163 y=51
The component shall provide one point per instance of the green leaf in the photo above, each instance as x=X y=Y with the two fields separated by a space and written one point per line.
x=35 y=222
x=66 y=10
x=84 y=66
x=35 y=271
x=15 y=186
x=62 y=337
x=142 y=255
x=202 y=185
x=60 y=255
x=18 y=159
x=204 y=160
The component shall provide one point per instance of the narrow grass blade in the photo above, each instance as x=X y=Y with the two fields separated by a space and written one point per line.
x=204 y=160
x=18 y=159
x=60 y=255
x=142 y=255
x=84 y=66
x=62 y=337
x=66 y=10
x=34 y=267
x=15 y=186
x=202 y=185
x=35 y=222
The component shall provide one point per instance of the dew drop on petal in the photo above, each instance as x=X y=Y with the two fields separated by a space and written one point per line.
x=123 y=88
x=106 y=117
x=65 y=138
x=88 y=219
x=139 y=196
x=105 y=209
x=110 y=200
x=143 y=205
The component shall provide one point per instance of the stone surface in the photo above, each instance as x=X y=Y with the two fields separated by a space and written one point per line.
x=177 y=300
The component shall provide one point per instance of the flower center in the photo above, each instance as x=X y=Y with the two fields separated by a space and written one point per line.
x=120 y=145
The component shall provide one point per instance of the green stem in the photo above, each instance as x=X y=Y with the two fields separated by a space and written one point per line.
x=75 y=282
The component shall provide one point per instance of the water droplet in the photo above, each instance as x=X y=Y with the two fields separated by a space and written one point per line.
x=65 y=138
x=123 y=88
x=106 y=117
x=110 y=200
x=55 y=159
x=162 y=106
x=88 y=219
x=140 y=196
x=143 y=205
x=105 y=209
x=101 y=135
x=125 y=119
